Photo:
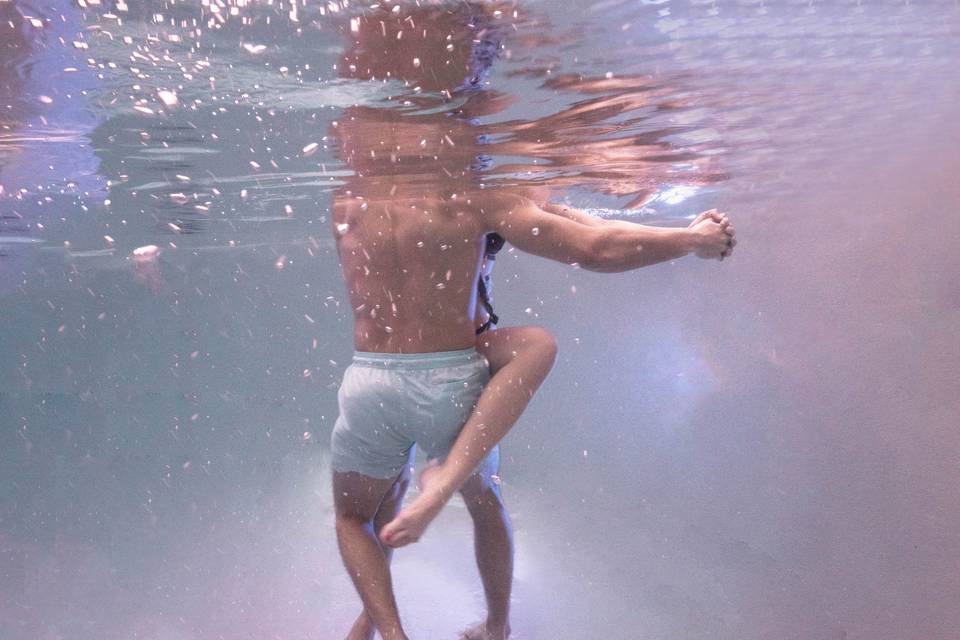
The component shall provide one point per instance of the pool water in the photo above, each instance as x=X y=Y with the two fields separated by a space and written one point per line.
x=760 y=448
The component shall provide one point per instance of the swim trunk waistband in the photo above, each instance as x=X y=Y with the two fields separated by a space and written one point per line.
x=411 y=361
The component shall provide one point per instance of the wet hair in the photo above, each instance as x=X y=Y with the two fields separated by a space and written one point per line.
x=475 y=34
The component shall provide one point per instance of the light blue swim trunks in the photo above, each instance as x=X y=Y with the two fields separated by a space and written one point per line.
x=389 y=401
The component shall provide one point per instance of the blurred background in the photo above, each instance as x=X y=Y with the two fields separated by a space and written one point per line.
x=763 y=448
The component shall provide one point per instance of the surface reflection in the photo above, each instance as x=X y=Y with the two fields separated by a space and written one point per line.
x=14 y=48
x=443 y=129
x=15 y=232
x=47 y=164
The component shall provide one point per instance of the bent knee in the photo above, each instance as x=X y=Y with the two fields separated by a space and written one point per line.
x=544 y=341
x=539 y=344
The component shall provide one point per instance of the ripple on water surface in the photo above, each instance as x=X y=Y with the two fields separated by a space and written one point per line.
x=193 y=124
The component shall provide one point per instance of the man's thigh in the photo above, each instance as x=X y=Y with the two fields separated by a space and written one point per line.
x=368 y=437
x=356 y=495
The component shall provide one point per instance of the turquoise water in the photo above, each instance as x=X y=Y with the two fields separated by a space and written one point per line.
x=760 y=449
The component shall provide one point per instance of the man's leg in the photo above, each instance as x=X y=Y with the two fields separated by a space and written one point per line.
x=357 y=499
x=363 y=628
x=493 y=543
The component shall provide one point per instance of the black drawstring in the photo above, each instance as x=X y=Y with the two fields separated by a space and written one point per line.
x=484 y=296
x=494 y=243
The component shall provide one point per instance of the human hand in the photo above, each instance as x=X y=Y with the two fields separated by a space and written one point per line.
x=714 y=235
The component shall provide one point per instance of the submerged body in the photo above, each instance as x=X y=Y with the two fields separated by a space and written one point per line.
x=411 y=268
x=411 y=225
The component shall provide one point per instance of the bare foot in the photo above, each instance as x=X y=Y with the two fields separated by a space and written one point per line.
x=407 y=527
x=482 y=632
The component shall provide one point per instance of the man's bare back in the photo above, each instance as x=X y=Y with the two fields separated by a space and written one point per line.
x=411 y=265
x=411 y=268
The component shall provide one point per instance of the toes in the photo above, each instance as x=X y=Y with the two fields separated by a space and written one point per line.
x=390 y=542
x=388 y=534
x=399 y=540
x=391 y=537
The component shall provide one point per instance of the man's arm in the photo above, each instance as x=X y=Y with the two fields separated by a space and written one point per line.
x=573 y=214
x=612 y=246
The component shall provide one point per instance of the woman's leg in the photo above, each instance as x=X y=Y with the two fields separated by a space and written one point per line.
x=520 y=359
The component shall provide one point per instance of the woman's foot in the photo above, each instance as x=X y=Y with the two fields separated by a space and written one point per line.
x=413 y=519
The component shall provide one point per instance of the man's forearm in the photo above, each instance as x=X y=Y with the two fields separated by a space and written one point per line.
x=659 y=244
x=623 y=246
x=574 y=214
